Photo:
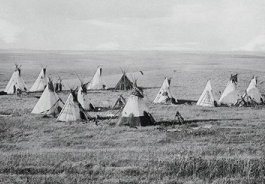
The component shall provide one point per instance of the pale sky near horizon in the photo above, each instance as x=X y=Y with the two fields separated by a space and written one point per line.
x=208 y=25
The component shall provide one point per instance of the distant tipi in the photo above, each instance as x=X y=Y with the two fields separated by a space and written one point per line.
x=97 y=82
x=72 y=110
x=207 y=99
x=16 y=83
x=41 y=82
x=49 y=102
x=164 y=95
x=230 y=95
x=135 y=113
x=81 y=97
x=120 y=103
x=124 y=83
x=253 y=92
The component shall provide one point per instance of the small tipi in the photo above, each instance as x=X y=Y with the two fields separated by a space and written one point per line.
x=253 y=92
x=82 y=91
x=41 y=82
x=49 y=102
x=72 y=110
x=135 y=113
x=164 y=95
x=230 y=95
x=97 y=82
x=120 y=103
x=124 y=83
x=207 y=99
x=16 y=83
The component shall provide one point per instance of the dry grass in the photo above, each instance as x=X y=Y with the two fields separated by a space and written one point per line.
x=218 y=145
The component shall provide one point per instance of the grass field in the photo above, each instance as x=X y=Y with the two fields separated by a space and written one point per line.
x=218 y=145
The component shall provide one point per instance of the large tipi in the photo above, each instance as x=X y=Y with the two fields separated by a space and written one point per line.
x=16 y=83
x=97 y=82
x=82 y=91
x=230 y=95
x=124 y=83
x=135 y=113
x=206 y=99
x=72 y=110
x=49 y=102
x=164 y=95
x=41 y=82
x=253 y=92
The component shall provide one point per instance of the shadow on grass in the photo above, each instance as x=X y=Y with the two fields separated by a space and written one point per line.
x=184 y=101
x=190 y=121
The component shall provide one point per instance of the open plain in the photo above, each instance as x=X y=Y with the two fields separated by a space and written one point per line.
x=217 y=145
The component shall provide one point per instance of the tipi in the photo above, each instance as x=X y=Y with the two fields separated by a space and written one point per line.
x=206 y=99
x=41 y=82
x=253 y=92
x=230 y=95
x=135 y=113
x=120 y=103
x=82 y=91
x=96 y=82
x=49 y=102
x=72 y=110
x=124 y=83
x=164 y=95
x=16 y=83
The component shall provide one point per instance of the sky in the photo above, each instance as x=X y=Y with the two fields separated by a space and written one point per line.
x=185 y=25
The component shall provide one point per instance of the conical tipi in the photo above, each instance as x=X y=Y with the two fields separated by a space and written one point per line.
x=82 y=91
x=120 y=103
x=230 y=95
x=49 y=102
x=72 y=110
x=164 y=95
x=206 y=99
x=41 y=82
x=135 y=113
x=16 y=83
x=124 y=83
x=96 y=82
x=253 y=92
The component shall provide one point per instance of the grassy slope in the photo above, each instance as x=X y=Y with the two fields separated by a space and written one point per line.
x=220 y=145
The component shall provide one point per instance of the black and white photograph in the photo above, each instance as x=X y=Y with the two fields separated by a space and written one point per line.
x=132 y=91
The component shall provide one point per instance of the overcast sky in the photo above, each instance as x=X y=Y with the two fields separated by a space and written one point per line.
x=220 y=25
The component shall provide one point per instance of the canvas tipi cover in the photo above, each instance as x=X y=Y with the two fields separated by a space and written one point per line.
x=164 y=94
x=135 y=113
x=124 y=83
x=41 y=82
x=97 y=82
x=253 y=92
x=72 y=110
x=230 y=95
x=120 y=103
x=82 y=99
x=16 y=82
x=206 y=99
x=49 y=102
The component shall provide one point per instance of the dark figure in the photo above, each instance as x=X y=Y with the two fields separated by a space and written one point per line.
x=179 y=118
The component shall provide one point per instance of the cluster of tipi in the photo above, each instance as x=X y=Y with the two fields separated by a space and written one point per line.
x=134 y=111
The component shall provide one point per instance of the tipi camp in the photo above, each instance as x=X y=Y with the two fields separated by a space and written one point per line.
x=230 y=95
x=81 y=97
x=41 y=82
x=49 y=102
x=124 y=83
x=16 y=83
x=253 y=92
x=164 y=95
x=97 y=82
x=135 y=113
x=72 y=110
x=207 y=99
